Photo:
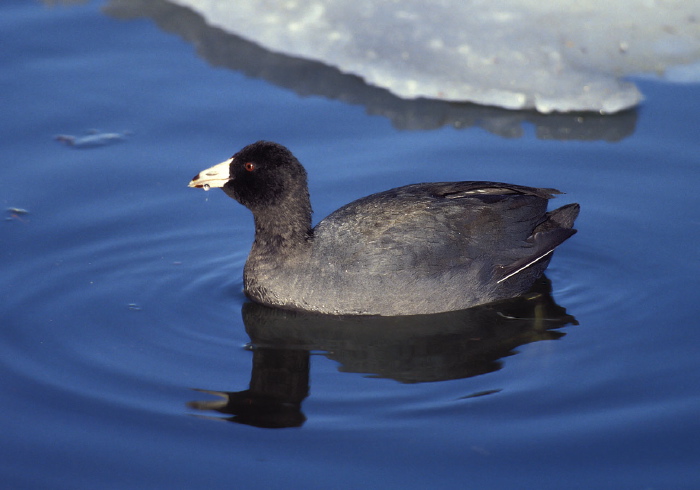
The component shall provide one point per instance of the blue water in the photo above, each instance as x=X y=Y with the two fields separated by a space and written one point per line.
x=121 y=287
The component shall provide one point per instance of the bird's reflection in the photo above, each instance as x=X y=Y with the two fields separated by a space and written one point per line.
x=411 y=349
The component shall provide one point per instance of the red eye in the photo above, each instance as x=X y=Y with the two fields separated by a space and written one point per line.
x=249 y=166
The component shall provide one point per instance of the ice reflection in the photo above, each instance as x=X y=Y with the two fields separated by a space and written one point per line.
x=306 y=78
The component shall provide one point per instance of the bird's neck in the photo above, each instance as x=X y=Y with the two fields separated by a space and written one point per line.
x=282 y=229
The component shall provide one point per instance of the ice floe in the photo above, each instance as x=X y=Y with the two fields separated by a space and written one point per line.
x=569 y=55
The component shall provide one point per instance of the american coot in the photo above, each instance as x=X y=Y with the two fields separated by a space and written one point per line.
x=417 y=249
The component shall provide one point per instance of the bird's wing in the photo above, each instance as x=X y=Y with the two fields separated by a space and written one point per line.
x=434 y=226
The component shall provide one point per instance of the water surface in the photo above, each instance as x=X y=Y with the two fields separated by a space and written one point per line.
x=122 y=287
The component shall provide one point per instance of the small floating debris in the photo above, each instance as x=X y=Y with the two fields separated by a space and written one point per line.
x=15 y=214
x=134 y=307
x=94 y=139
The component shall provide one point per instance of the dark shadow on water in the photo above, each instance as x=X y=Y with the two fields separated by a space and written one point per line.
x=308 y=78
x=411 y=349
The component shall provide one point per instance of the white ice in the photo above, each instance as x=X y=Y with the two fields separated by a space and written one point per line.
x=556 y=55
